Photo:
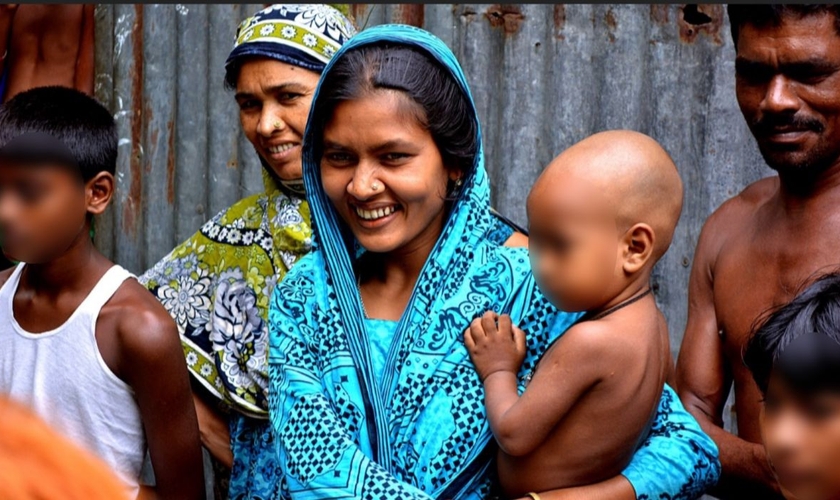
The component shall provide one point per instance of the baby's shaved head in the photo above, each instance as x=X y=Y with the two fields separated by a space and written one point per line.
x=619 y=172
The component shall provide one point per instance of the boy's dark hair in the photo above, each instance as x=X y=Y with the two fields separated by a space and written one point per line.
x=77 y=120
x=761 y=15
x=801 y=340
x=441 y=106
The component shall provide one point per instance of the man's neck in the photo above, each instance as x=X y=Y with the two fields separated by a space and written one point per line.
x=796 y=195
x=77 y=268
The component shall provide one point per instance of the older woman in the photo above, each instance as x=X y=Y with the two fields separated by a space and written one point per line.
x=217 y=284
x=373 y=394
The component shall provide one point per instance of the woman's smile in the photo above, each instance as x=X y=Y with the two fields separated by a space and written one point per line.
x=282 y=151
x=376 y=216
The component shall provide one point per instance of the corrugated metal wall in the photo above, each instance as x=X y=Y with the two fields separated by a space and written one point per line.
x=544 y=77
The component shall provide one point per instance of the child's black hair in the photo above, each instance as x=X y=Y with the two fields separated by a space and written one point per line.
x=79 y=121
x=801 y=341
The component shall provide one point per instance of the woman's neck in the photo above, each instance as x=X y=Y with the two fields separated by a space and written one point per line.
x=386 y=280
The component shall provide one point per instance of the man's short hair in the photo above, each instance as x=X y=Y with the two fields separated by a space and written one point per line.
x=761 y=15
x=72 y=118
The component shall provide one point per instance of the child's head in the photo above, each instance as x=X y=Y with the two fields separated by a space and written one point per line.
x=37 y=462
x=601 y=215
x=58 y=153
x=794 y=357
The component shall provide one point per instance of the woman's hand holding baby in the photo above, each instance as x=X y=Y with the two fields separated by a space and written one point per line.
x=495 y=345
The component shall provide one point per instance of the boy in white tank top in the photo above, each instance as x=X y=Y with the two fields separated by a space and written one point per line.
x=81 y=342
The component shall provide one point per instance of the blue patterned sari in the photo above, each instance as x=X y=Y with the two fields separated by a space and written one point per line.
x=347 y=426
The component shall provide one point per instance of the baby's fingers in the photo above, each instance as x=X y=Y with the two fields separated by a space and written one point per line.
x=468 y=339
x=477 y=330
x=505 y=325
x=488 y=322
x=519 y=340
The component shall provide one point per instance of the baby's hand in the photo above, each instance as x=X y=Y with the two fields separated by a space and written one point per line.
x=495 y=344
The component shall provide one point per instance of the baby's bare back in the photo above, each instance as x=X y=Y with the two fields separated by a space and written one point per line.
x=596 y=438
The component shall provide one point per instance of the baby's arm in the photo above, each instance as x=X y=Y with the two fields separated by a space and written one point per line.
x=566 y=373
x=497 y=350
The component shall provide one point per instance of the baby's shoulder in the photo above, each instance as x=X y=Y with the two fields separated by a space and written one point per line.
x=610 y=343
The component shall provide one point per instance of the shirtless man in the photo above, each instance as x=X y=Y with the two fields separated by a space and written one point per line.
x=46 y=44
x=758 y=248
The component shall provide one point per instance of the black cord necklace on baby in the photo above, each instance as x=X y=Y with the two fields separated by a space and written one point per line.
x=622 y=304
x=600 y=315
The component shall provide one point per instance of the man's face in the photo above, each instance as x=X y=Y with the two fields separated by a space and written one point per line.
x=788 y=88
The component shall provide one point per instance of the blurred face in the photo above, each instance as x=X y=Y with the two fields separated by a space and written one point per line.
x=384 y=174
x=43 y=210
x=788 y=88
x=802 y=437
x=574 y=244
x=274 y=99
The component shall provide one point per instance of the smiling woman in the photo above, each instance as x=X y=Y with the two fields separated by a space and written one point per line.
x=273 y=99
x=372 y=392
x=217 y=284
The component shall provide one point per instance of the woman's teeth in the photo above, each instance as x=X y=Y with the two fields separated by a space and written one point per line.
x=375 y=214
x=281 y=148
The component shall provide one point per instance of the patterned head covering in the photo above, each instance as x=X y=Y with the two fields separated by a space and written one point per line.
x=305 y=35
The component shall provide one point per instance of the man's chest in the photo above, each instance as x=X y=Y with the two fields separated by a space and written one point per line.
x=752 y=278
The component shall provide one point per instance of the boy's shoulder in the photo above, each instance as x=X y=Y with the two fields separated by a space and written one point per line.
x=5 y=275
x=142 y=324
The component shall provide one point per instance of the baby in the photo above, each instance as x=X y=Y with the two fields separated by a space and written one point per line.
x=601 y=215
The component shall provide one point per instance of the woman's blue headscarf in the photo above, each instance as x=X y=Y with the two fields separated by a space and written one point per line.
x=419 y=428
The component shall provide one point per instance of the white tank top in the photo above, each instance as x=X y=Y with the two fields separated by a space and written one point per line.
x=61 y=375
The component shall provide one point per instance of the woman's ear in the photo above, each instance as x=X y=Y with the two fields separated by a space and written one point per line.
x=99 y=191
x=455 y=174
x=637 y=245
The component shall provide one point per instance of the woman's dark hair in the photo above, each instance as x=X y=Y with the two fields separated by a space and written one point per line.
x=79 y=121
x=801 y=340
x=441 y=107
x=761 y=15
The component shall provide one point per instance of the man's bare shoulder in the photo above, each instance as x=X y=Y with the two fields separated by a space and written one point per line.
x=740 y=208
x=734 y=218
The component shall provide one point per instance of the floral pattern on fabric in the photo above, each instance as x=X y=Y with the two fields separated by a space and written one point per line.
x=316 y=29
x=217 y=285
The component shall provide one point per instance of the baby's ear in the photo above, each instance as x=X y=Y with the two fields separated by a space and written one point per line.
x=99 y=191
x=638 y=244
